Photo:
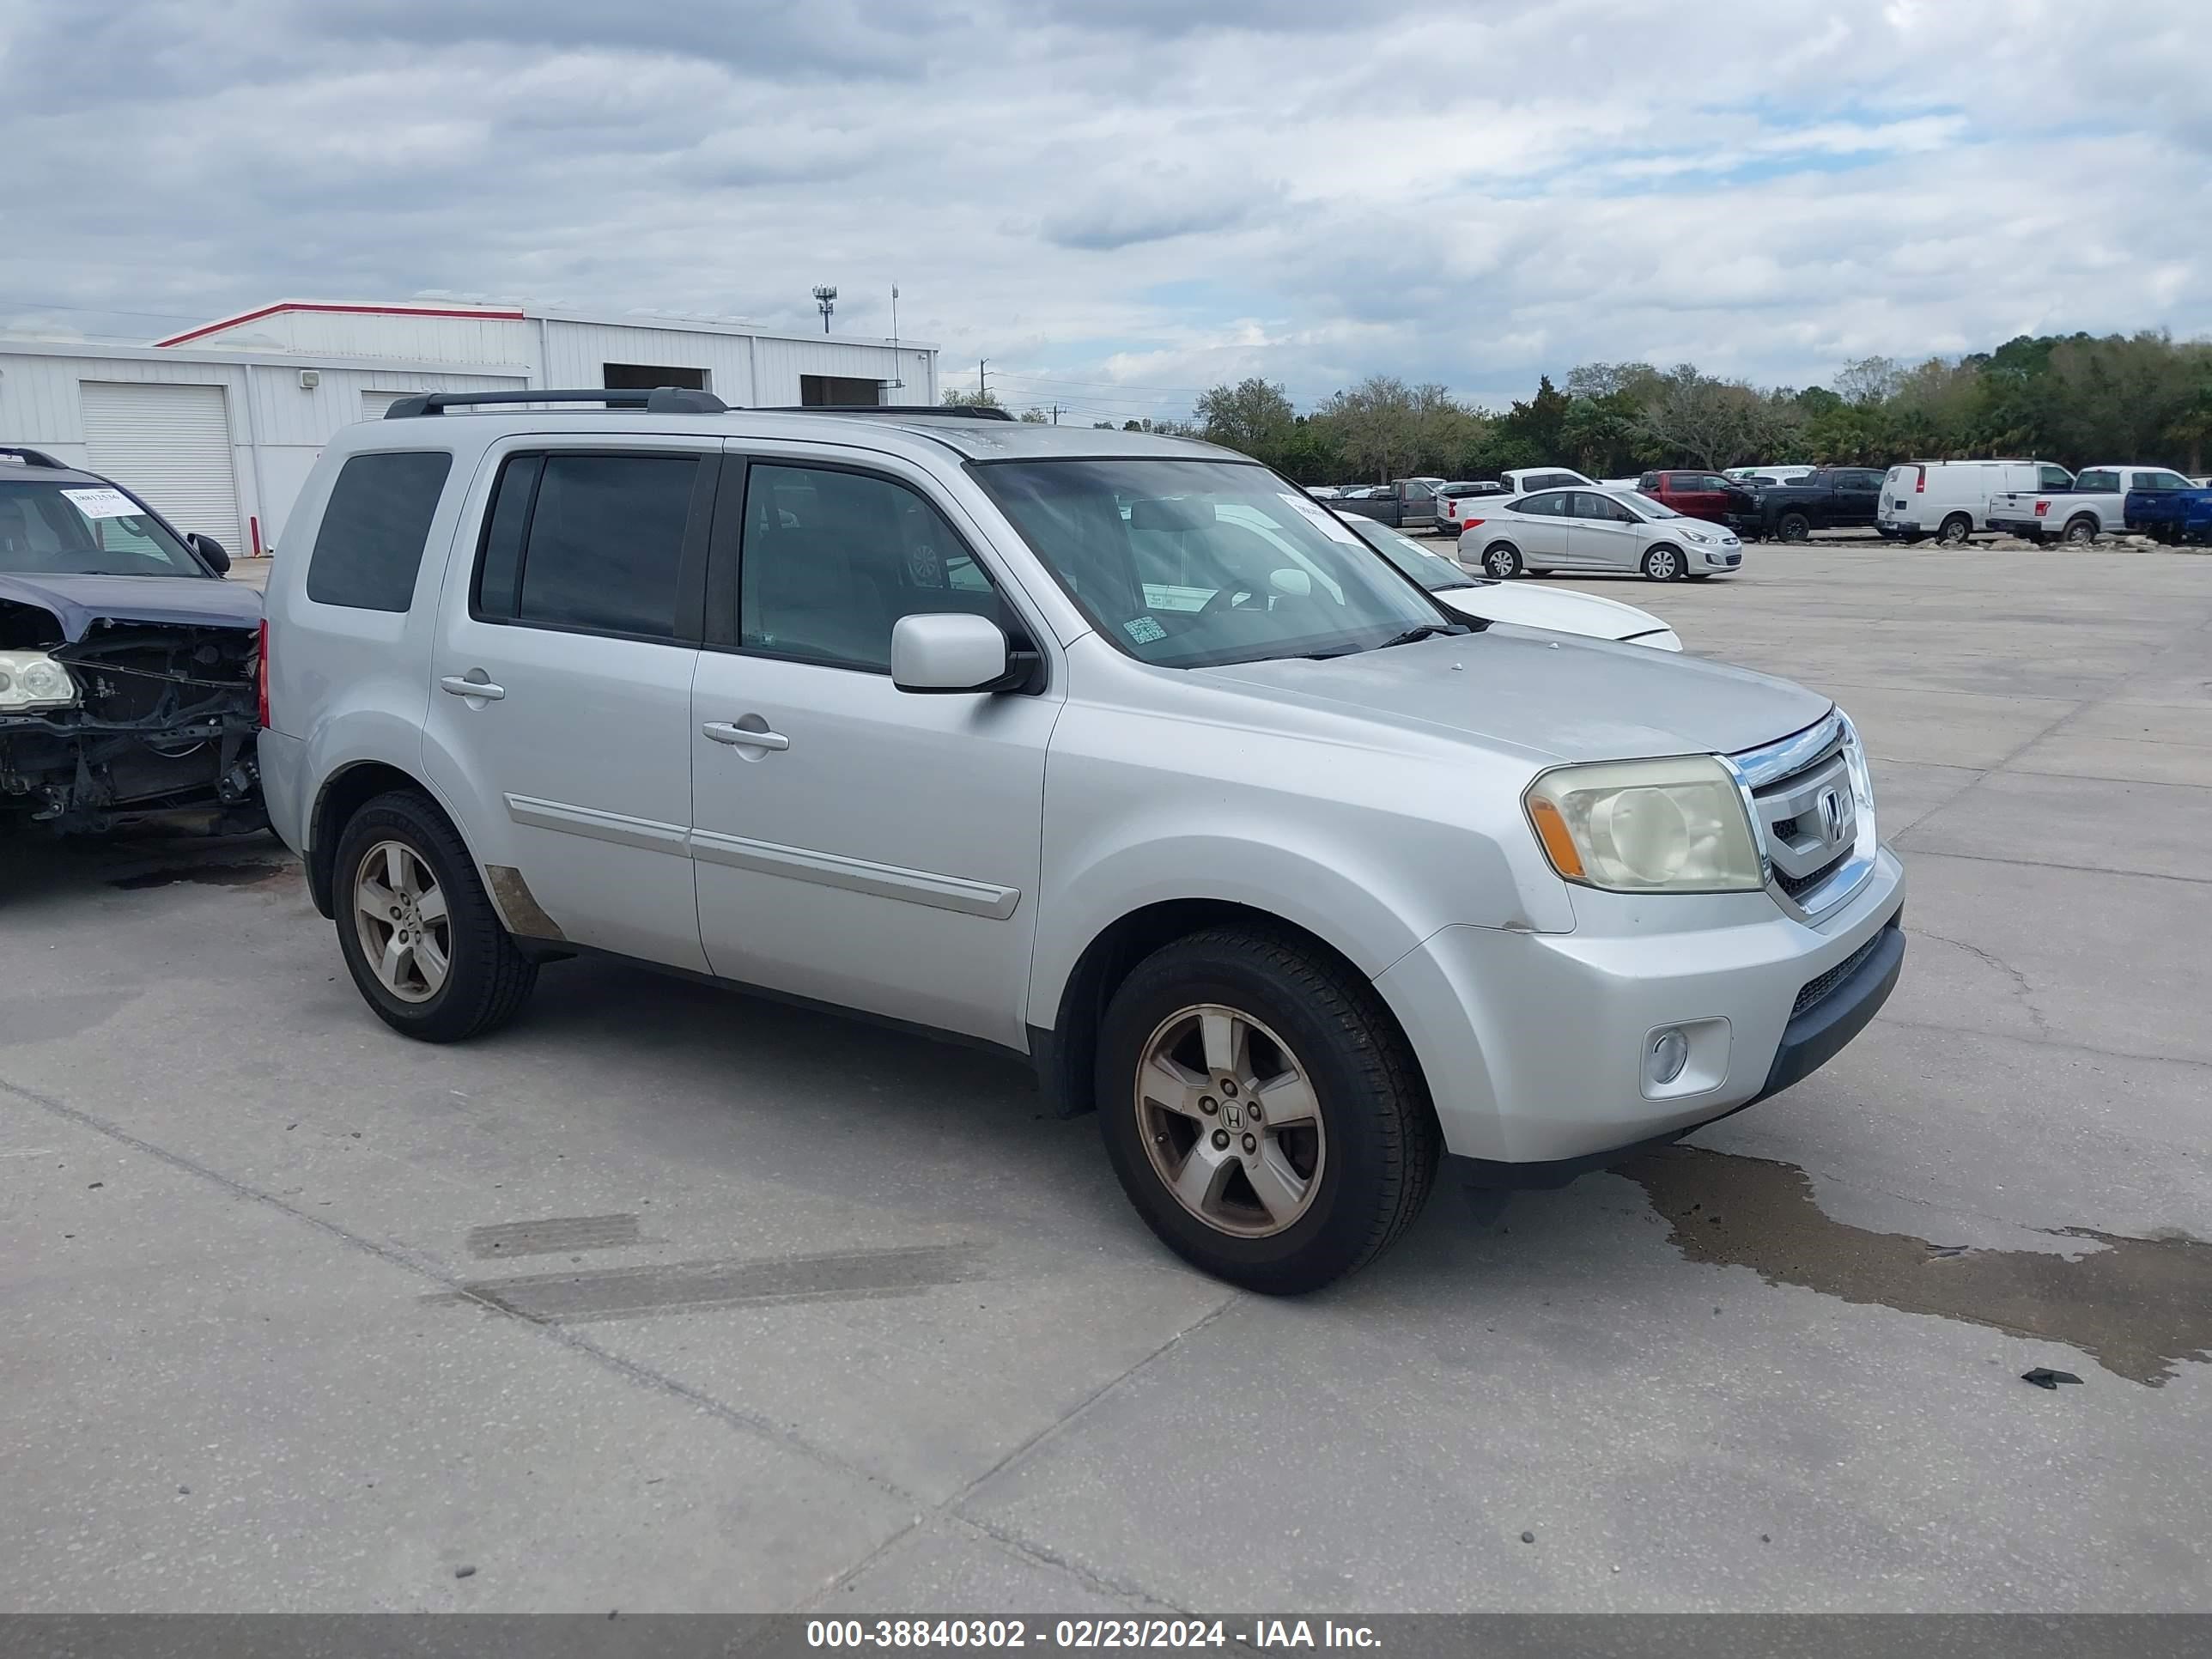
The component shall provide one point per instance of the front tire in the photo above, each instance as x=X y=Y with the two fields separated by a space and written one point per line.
x=1262 y=1110
x=1501 y=560
x=1664 y=563
x=418 y=931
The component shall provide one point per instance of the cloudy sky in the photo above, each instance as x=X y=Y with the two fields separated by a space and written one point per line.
x=1119 y=201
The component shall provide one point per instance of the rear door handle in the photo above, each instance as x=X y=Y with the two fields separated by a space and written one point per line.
x=462 y=686
x=741 y=737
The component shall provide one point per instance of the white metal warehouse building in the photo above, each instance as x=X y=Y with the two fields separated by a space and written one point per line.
x=217 y=427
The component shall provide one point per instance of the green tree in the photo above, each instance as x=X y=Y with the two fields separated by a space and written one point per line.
x=1254 y=415
x=957 y=399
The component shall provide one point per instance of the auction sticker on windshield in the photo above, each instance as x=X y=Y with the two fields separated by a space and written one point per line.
x=103 y=503
x=1321 y=519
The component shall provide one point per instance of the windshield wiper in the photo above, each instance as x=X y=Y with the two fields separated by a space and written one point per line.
x=1425 y=631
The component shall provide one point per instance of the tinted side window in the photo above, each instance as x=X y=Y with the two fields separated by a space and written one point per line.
x=369 y=545
x=2097 y=481
x=1553 y=506
x=588 y=541
x=831 y=560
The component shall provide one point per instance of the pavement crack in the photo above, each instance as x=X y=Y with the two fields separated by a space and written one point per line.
x=632 y=1370
x=2021 y=988
x=949 y=1510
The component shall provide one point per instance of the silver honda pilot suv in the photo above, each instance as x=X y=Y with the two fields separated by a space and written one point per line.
x=1116 y=751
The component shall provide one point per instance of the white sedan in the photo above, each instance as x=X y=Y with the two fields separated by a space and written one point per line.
x=1528 y=604
x=1614 y=529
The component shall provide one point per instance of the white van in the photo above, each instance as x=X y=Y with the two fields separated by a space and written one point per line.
x=1950 y=500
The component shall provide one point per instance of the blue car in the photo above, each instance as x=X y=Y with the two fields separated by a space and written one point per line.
x=129 y=667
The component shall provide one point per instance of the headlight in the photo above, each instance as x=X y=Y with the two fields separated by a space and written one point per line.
x=1695 y=536
x=31 y=679
x=1652 y=826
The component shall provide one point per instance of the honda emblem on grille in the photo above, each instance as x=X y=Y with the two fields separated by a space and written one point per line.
x=1833 y=815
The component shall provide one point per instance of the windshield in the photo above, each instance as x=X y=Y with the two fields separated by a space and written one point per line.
x=1424 y=564
x=1193 y=563
x=1643 y=504
x=84 y=530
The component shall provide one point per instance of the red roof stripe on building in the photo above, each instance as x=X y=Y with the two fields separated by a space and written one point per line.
x=218 y=327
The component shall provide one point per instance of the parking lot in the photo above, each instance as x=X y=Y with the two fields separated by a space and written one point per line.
x=666 y=1299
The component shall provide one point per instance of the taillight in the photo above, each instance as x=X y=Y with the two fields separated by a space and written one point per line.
x=1920 y=481
x=261 y=678
x=2042 y=507
x=1470 y=524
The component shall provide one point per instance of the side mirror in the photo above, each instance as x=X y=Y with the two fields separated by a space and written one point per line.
x=212 y=551
x=951 y=651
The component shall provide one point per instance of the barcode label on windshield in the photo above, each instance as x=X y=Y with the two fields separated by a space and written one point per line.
x=103 y=503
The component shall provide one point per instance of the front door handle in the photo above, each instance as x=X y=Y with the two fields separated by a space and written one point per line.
x=743 y=736
x=461 y=685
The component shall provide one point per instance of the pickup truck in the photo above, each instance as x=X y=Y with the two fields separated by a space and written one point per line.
x=2096 y=506
x=1828 y=498
x=2170 y=515
x=1403 y=504
x=1698 y=494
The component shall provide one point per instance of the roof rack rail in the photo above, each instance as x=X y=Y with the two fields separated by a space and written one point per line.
x=903 y=411
x=659 y=400
x=35 y=458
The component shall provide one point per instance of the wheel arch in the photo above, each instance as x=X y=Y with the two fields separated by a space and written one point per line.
x=1065 y=1054
x=344 y=792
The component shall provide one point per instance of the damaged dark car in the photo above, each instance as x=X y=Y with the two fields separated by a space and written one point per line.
x=129 y=667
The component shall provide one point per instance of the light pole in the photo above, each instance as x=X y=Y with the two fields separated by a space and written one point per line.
x=827 y=299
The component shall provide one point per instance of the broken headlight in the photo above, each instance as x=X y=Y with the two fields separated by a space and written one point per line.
x=31 y=679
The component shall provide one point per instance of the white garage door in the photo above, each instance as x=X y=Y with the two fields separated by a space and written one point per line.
x=170 y=444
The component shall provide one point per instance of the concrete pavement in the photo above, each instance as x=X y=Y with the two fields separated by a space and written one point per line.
x=666 y=1299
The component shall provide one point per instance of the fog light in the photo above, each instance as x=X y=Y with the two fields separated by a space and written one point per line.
x=1669 y=1053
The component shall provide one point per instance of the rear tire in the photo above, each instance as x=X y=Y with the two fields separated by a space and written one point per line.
x=1502 y=560
x=404 y=879
x=1664 y=563
x=1794 y=527
x=1298 y=1032
x=1955 y=530
x=2080 y=529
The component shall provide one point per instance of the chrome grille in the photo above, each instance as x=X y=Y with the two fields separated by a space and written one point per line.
x=1806 y=811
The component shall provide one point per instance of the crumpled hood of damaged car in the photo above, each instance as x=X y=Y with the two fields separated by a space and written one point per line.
x=77 y=602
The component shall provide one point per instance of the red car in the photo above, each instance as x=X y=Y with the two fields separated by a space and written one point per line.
x=1701 y=494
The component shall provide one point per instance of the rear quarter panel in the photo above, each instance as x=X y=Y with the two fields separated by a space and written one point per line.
x=349 y=686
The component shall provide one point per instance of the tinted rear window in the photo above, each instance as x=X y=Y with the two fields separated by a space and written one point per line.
x=588 y=541
x=370 y=545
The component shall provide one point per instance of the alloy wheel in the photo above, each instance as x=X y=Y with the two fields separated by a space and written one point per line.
x=1229 y=1118
x=400 y=915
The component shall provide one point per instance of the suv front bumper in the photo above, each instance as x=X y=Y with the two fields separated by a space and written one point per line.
x=1533 y=1044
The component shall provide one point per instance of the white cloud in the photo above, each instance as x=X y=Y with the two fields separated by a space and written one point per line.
x=1119 y=204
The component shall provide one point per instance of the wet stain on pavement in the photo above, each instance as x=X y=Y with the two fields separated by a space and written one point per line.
x=686 y=1286
x=206 y=875
x=554 y=1234
x=2136 y=1305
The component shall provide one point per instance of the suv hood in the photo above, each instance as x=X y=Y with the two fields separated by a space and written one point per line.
x=1567 y=699
x=77 y=602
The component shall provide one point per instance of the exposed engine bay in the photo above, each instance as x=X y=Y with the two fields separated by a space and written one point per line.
x=128 y=723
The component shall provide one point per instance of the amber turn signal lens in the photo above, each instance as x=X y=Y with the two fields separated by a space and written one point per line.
x=1559 y=844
